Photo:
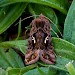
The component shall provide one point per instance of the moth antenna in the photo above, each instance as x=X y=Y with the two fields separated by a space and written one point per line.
x=55 y=33
x=55 y=26
x=47 y=18
x=27 y=18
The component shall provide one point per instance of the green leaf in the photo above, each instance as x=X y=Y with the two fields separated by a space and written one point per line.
x=19 y=29
x=70 y=68
x=9 y=14
x=35 y=71
x=20 y=44
x=61 y=5
x=27 y=68
x=19 y=71
x=62 y=73
x=36 y=9
x=10 y=59
x=64 y=48
x=69 y=26
x=2 y=71
x=41 y=72
x=14 y=71
x=51 y=71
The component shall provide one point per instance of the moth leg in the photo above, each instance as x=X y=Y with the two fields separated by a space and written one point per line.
x=32 y=58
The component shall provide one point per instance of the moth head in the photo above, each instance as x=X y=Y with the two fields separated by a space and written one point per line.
x=46 y=39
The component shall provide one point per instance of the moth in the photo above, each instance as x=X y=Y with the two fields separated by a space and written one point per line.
x=40 y=42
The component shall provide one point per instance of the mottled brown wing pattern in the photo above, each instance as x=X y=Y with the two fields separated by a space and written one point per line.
x=40 y=42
